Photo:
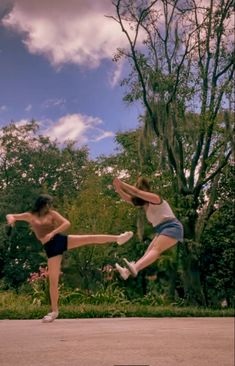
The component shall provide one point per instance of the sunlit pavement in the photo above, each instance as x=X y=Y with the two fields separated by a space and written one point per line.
x=119 y=341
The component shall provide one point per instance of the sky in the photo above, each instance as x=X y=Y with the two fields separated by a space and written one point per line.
x=56 y=67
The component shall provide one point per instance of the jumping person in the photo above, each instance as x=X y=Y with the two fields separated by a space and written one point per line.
x=47 y=225
x=168 y=229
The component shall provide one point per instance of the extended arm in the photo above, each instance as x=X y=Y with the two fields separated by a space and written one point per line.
x=12 y=218
x=125 y=196
x=134 y=191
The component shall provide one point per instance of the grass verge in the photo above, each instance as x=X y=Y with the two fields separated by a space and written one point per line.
x=110 y=311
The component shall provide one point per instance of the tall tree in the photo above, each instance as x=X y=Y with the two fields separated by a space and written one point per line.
x=181 y=58
x=31 y=164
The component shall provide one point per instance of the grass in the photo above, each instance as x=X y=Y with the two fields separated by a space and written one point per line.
x=13 y=306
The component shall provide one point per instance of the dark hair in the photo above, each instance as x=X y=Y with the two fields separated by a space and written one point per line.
x=137 y=201
x=41 y=202
x=142 y=184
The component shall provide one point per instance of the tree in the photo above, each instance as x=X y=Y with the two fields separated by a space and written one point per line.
x=182 y=65
x=31 y=164
x=95 y=212
x=128 y=163
x=217 y=257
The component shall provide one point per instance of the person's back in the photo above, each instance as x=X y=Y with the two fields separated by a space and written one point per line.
x=159 y=213
x=43 y=225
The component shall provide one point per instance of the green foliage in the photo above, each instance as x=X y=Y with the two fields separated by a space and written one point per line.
x=13 y=306
x=39 y=283
x=110 y=294
x=94 y=212
x=21 y=256
x=185 y=85
x=31 y=164
x=151 y=299
x=89 y=201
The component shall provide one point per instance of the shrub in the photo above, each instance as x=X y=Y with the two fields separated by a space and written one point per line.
x=39 y=283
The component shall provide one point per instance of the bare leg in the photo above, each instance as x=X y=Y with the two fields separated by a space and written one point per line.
x=151 y=245
x=157 y=246
x=75 y=241
x=54 y=265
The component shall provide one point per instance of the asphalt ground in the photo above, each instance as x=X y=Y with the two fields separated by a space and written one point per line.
x=118 y=342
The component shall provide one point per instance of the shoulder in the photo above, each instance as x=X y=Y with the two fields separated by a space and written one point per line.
x=56 y=215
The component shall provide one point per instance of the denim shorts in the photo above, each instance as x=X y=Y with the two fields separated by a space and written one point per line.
x=172 y=228
x=56 y=246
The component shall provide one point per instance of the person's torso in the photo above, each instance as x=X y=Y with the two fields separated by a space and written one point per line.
x=158 y=213
x=42 y=226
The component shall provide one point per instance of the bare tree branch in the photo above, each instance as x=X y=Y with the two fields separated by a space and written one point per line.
x=222 y=164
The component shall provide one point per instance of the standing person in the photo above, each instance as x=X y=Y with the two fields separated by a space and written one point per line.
x=47 y=224
x=168 y=229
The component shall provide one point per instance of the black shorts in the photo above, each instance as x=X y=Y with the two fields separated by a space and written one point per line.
x=56 y=246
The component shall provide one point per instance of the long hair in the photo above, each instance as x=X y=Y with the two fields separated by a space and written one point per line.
x=142 y=184
x=41 y=202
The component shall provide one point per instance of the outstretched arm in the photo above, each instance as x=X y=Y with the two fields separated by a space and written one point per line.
x=12 y=218
x=136 y=192
x=124 y=195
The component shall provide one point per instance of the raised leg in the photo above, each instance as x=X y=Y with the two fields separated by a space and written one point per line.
x=158 y=245
x=75 y=241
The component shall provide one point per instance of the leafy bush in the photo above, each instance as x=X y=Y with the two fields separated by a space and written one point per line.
x=30 y=311
x=110 y=294
x=151 y=299
x=39 y=283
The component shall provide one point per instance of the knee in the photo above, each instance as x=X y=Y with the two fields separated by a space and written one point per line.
x=156 y=251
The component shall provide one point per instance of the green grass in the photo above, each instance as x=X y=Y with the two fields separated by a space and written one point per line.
x=110 y=311
x=14 y=306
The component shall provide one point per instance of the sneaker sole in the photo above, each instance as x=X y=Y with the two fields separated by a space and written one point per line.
x=131 y=269
x=118 y=268
x=127 y=239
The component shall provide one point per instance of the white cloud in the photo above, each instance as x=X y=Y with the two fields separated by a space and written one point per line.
x=3 y=108
x=28 y=108
x=76 y=32
x=21 y=122
x=54 y=102
x=116 y=75
x=79 y=128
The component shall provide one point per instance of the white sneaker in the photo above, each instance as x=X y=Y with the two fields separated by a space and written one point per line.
x=131 y=267
x=124 y=272
x=50 y=317
x=123 y=238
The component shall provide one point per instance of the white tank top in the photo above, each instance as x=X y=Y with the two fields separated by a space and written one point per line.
x=156 y=214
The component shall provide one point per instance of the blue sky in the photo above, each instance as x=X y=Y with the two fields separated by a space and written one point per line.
x=56 y=67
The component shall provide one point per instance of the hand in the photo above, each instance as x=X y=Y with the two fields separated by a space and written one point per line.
x=47 y=237
x=10 y=220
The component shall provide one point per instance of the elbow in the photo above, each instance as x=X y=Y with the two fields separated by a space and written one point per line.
x=136 y=191
x=68 y=224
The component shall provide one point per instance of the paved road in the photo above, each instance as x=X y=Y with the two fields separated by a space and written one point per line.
x=119 y=341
